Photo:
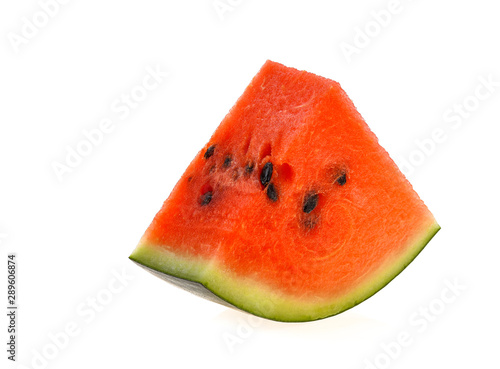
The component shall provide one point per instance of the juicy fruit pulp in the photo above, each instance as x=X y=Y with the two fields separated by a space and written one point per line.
x=292 y=211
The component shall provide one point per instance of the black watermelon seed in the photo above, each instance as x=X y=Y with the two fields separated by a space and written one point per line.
x=310 y=203
x=249 y=168
x=342 y=179
x=227 y=162
x=190 y=178
x=209 y=152
x=272 y=193
x=266 y=174
x=206 y=198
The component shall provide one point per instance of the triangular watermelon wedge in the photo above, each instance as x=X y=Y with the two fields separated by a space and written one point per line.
x=292 y=211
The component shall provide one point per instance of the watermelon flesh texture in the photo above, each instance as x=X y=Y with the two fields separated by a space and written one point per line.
x=292 y=211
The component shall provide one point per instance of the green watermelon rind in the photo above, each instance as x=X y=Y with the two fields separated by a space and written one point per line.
x=256 y=298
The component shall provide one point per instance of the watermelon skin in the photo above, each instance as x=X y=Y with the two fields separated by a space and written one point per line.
x=333 y=224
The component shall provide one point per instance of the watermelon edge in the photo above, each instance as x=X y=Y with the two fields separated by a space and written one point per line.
x=208 y=280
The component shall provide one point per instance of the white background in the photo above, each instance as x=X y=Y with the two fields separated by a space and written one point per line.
x=72 y=236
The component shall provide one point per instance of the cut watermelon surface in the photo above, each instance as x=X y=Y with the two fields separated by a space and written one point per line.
x=292 y=211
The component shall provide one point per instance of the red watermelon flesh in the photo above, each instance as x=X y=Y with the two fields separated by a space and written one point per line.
x=292 y=211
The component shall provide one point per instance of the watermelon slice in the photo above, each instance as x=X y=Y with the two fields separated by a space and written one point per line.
x=292 y=211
